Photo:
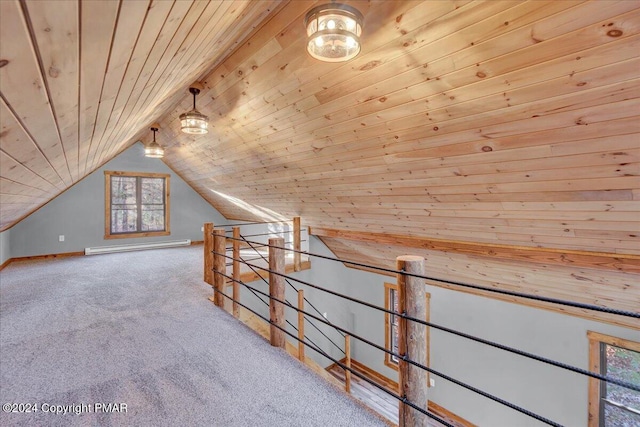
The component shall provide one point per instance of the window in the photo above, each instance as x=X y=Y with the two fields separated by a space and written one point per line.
x=136 y=204
x=610 y=404
x=391 y=324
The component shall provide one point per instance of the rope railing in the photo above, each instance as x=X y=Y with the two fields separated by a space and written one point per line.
x=476 y=287
x=401 y=355
x=296 y=225
x=448 y=330
x=252 y=267
x=286 y=279
x=345 y=367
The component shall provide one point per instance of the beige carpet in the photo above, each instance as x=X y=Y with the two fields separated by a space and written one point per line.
x=136 y=328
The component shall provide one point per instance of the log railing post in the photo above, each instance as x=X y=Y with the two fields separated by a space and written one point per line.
x=236 y=271
x=297 y=266
x=219 y=265
x=411 y=340
x=347 y=373
x=276 y=290
x=208 y=252
x=300 y=325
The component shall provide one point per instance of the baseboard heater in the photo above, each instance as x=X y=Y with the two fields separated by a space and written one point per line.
x=136 y=247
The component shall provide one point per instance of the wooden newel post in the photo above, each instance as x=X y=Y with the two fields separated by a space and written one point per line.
x=412 y=341
x=297 y=266
x=236 y=271
x=208 y=252
x=276 y=290
x=219 y=265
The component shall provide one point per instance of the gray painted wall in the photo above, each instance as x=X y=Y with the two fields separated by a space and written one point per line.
x=5 y=250
x=551 y=392
x=78 y=213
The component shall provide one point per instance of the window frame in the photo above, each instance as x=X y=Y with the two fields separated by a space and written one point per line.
x=596 y=340
x=388 y=361
x=108 y=210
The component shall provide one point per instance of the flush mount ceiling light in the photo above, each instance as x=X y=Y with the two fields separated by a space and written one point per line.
x=194 y=122
x=154 y=150
x=333 y=32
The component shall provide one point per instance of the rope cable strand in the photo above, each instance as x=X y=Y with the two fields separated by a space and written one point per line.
x=345 y=367
x=461 y=334
x=264 y=258
x=286 y=302
x=251 y=266
x=406 y=359
x=477 y=287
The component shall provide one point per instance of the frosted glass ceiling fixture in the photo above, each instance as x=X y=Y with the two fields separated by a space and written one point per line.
x=194 y=122
x=333 y=32
x=154 y=150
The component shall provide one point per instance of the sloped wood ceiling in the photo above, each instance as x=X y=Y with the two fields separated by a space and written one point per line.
x=80 y=79
x=513 y=122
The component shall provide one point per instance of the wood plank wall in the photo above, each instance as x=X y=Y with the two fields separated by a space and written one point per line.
x=603 y=288
x=502 y=122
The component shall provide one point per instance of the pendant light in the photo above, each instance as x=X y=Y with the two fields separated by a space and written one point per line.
x=194 y=122
x=333 y=32
x=154 y=150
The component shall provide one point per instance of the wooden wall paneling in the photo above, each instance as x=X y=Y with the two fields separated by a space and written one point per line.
x=10 y=187
x=207 y=24
x=16 y=171
x=278 y=73
x=530 y=54
x=23 y=88
x=492 y=274
x=154 y=21
x=21 y=147
x=141 y=112
x=389 y=48
x=287 y=29
x=55 y=26
x=320 y=135
x=355 y=84
x=455 y=156
x=98 y=23
x=429 y=169
x=455 y=50
x=130 y=20
x=164 y=42
x=222 y=75
x=489 y=131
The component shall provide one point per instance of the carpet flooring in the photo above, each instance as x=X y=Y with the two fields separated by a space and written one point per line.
x=137 y=329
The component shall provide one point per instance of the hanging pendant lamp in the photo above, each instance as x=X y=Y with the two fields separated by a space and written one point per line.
x=333 y=32
x=194 y=122
x=154 y=150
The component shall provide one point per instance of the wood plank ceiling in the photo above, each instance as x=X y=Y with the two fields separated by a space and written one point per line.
x=513 y=122
x=79 y=80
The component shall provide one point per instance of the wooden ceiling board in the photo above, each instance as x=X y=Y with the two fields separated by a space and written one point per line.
x=55 y=27
x=24 y=90
x=510 y=122
x=84 y=80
